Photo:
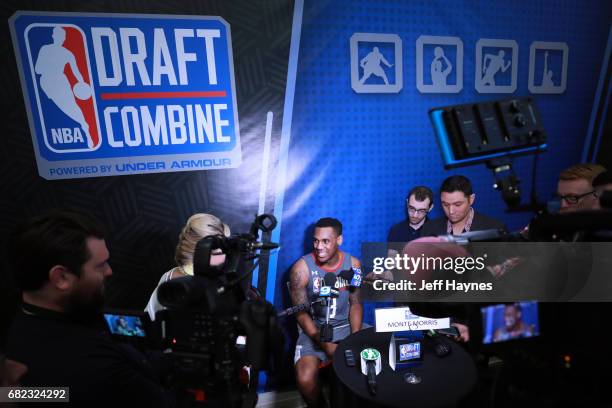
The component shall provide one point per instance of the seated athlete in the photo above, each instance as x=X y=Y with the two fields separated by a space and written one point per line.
x=306 y=281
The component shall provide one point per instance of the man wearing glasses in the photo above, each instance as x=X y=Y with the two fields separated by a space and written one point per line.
x=602 y=183
x=575 y=189
x=419 y=203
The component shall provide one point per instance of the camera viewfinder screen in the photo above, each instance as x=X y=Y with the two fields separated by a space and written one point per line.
x=510 y=321
x=125 y=325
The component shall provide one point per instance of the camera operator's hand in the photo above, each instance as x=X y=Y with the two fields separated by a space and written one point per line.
x=11 y=372
x=384 y=276
x=464 y=332
x=329 y=348
x=500 y=270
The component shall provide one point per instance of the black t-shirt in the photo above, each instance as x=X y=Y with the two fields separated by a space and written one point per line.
x=60 y=351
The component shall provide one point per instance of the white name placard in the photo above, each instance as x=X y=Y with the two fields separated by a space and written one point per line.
x=395 y=319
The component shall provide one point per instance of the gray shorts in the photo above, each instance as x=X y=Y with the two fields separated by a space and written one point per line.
x=306 y=347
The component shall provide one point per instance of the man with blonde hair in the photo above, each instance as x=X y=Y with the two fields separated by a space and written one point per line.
x=575 y=189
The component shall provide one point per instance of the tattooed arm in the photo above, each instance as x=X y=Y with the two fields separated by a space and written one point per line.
x=356 y=308
x=298 y=284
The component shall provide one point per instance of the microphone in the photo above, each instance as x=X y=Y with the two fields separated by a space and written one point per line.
x=298 y=308
x=371 y=366
x=356 y=279
x=328 y=290
x=490 y=235
x=264 y=245
x=330 y=279
x=353 y=276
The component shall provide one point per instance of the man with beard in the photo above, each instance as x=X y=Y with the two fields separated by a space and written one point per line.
x=60 y=262
x=307 y=277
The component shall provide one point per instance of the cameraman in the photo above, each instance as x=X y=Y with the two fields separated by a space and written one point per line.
x=60 y=261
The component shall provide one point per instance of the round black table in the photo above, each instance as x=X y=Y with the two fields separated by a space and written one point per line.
x=444 y=380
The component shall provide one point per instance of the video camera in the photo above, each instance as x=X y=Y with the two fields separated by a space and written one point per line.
x=213 y=327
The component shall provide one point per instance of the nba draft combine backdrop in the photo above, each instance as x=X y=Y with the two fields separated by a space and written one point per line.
x=204 y=106
x=120 y=94
x=143 y=114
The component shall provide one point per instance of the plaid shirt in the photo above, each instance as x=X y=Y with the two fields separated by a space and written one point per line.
x=468 y=223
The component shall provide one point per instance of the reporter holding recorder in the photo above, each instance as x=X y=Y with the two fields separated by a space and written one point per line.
x=198 y=226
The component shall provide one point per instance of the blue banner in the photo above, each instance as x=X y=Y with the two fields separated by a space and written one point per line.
x=112 y=94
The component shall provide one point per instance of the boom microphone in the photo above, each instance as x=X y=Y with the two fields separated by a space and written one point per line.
x=264 y=245
x=490 y=235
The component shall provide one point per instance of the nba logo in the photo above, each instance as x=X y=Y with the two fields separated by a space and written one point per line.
x=63 y=86
x=90 y=116
x=316 y=285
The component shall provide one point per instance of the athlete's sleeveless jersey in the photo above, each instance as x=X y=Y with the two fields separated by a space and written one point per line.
x=339 y=307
